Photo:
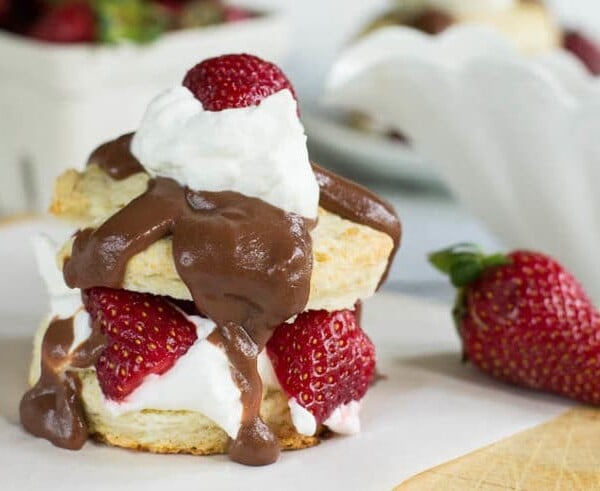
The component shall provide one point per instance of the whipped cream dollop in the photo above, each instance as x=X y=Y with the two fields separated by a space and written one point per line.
x=459 y=7
x=344 y=420
x=259 y=151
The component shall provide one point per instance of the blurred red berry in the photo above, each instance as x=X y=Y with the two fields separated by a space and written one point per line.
x=235 y=14
x=69 y=23
x=586 y=49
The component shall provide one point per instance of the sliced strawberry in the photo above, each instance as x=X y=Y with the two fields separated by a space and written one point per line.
x=233 y=81
x=323 y=360
x=145 y=335
x=68 y=23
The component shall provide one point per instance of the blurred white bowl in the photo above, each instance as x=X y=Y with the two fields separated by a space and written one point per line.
x=517 y=140
x=57 y=103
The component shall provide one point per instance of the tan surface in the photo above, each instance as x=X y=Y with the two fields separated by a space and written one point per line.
x=563 y=454
x=349 y=259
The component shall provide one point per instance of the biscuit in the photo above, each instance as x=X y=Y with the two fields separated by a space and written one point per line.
x=348 y=259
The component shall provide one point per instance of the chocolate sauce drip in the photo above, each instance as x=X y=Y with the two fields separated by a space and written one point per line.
x=356 y=203
x=116 y=159
x=52 y=409
x=255 y=444
x=246 y=263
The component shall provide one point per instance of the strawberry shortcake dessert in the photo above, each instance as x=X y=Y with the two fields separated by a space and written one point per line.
x=209 y=301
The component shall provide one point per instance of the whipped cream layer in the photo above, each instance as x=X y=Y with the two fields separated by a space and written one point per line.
x=459 y=7
x=259 y=151
x=213 y=394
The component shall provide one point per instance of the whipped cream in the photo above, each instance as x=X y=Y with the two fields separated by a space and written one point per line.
x=259 y=151
x=64 y=301
x=344 y=420
x=304 y=422
x=459 y=7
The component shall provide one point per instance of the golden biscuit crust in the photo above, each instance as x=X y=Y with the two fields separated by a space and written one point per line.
x=349 y=259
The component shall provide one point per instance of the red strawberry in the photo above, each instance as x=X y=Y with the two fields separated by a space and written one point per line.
x=323 y=360
x=146 y=335
x=525 y=320
x=69 y=23
x=233 y=81
x=236 y=14
x=586 y=49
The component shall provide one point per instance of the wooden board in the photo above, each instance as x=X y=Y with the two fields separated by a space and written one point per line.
x=563 y=454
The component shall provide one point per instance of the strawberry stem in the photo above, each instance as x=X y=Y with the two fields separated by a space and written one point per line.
x=465 y=263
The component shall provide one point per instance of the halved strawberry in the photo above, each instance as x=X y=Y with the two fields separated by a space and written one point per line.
x=146 y=335
x=234 y=81
x=323 y=360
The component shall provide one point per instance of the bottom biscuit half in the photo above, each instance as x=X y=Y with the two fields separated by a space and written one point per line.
x=183 y=432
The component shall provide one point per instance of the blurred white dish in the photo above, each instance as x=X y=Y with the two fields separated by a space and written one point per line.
x=515 y=139
x=58 y=103
x=365 y=153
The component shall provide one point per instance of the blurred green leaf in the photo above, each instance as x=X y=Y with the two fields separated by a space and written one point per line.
x=129 y=20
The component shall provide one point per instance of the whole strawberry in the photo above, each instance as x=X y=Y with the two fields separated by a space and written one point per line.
x=525 y=320
x=234 y=81
x=145 y=335
x=322 y=360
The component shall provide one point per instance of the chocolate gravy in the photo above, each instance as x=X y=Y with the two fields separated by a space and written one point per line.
x=52 y=408
x=115 y=158
x=246 y=263
x=357 y=204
